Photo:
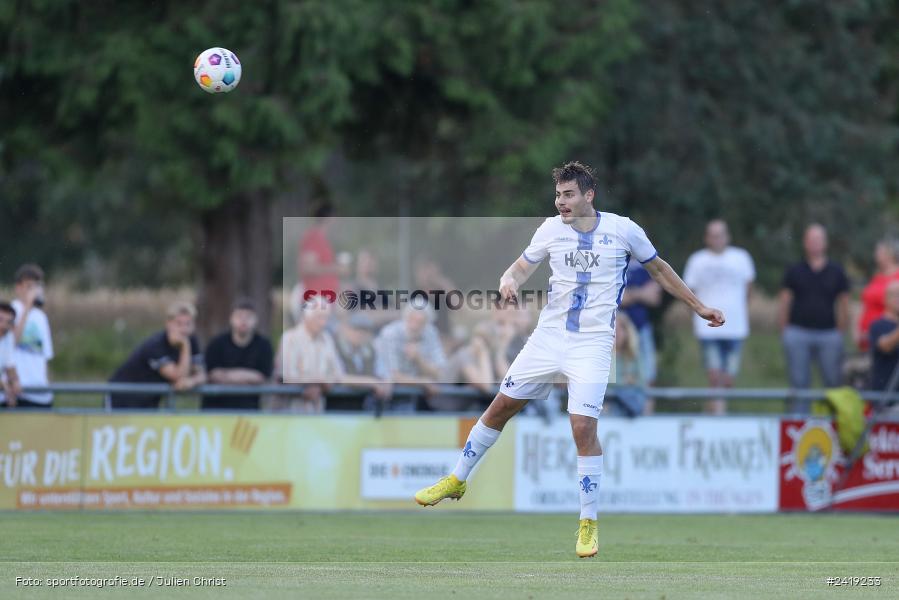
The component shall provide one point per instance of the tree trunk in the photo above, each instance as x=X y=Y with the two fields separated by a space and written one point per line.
x=235 y=256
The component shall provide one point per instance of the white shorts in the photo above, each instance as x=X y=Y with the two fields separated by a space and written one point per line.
x=585 y=359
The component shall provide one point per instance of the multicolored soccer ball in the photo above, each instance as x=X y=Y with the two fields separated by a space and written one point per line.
x=217 y=70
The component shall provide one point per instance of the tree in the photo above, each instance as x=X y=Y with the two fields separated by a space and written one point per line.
x=452 y=89
x=769 y=114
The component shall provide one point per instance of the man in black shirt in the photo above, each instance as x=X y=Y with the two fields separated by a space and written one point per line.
x=239 y=356
x=884 y=341
x=814 y=314
x=169 y=356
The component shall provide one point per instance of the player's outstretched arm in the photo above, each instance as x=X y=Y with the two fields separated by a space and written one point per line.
x=519 y=272
x=671 y=282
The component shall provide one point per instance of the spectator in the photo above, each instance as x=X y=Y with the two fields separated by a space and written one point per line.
x=34 y=343
x=411 y=349
x=239 y=356
x=361 y=364
x=365 y=276
x=641 y=294
x=307 y=355
x=473 y=365
x=511 y=327
x=319 y=272
x=884 y=340
x=365 y=280
x=886 y=258
x=170 y=356
x=429 y=276
x=10 y=378
x=484 y=359
x=721 y=275
x=629 y=398
x=494 y=344
x=814 y=311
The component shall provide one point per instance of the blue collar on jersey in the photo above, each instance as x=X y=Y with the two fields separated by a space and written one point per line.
x=595 y=225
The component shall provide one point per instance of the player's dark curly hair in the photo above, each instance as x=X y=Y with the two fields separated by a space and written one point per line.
x=574 y=170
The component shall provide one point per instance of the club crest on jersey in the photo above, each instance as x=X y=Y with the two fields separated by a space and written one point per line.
x=585 y=259
x=588 y=486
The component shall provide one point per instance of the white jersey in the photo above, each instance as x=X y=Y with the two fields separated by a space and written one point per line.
x=589 y=269
x=720 y=279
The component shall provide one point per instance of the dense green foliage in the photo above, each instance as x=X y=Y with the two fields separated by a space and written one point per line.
x=768 y=113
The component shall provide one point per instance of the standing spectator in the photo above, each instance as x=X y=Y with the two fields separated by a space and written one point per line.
x=814 y=313
x=429 y=276
x=10 y=378
x=411 y=349
x=721 y=275
x=307 y=355
x=884 y=340
x=239 y=356
x=365 y=273
x=365 y=281
x=170 y=356
x=34 y=344
x=886 y=258
x=318 y=270
x=641 y=294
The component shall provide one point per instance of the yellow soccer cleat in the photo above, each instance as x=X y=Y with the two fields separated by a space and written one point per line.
x=447 y=487
x=587 y=538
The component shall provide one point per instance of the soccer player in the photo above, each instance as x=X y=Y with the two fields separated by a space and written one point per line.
x=588 y=252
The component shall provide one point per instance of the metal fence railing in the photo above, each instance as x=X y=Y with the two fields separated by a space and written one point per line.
x=170 y=395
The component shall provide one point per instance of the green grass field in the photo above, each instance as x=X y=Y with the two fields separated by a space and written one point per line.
x=433 y=554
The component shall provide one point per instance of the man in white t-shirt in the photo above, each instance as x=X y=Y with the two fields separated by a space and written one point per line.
x=721 y=275
x=10 y=380
x=34 y=344
x=588 y=252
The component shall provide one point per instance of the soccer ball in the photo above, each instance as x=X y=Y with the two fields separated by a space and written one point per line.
x=217 y=70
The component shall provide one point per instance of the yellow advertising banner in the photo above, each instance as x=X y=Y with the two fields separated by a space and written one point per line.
x=176 y=462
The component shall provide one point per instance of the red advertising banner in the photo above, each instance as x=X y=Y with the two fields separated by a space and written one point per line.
x=812 y=467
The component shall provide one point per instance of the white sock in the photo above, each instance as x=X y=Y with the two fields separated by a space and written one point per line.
x=589 y=470
x=479 y=440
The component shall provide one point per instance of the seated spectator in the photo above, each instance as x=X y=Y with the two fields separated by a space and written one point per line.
x=239 y=356
x=629 y=398
x=170 y=356
x=472 y=365
x=10 y=378
x=411 y=350
x=34 y=344
x=884 y=340
x=886 y=257
x=307 y=355
x=494 y=344
x=361 y=365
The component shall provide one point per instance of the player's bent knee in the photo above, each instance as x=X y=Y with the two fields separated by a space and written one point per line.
x=501 y=410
